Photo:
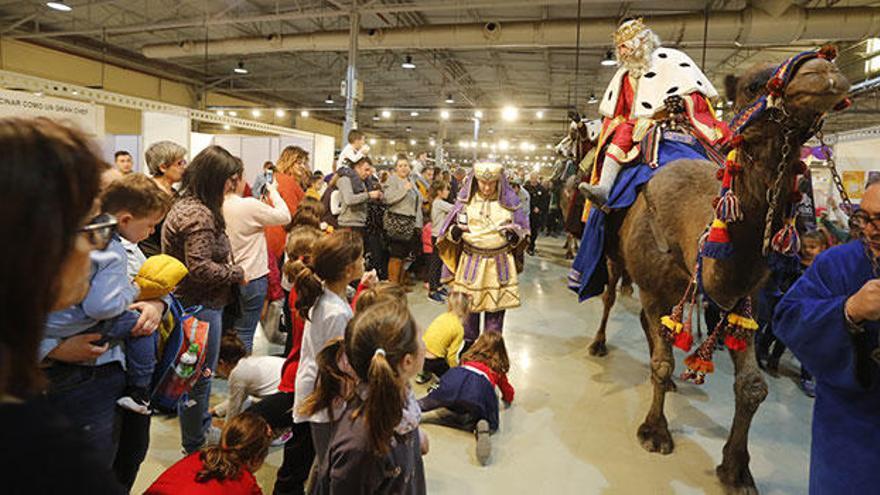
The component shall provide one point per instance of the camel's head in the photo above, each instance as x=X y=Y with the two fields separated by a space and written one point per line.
x=815 y=87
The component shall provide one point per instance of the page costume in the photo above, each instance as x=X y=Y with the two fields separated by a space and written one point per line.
x=479 y=258
x=635 y=141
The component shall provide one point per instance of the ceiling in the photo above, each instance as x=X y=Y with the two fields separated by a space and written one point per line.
x=550 y=75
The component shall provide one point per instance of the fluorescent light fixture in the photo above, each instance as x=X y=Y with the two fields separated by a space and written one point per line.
x=478 y=114
x=221 y=113
x=408 y=63
x=608 y=61
x=280 y=112
x=256 y=113
x=414 y=114
x=329 y=100
x=233 y=114
x=539 y=114
x=372 y=141
x=386 y=114
x=60 y=6
x=239 y=69
x=304 y=113
x=449 y=99
x=509 y=113
x=444 y=114
x=412 y=142
x=226 y=127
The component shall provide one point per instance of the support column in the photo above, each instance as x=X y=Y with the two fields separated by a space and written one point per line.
x=476 y=137
x=351 y=73
x=439 y=158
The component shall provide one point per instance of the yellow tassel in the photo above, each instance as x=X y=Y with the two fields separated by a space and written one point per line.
x=731 y=155
x=674 y=326
x=743 y=322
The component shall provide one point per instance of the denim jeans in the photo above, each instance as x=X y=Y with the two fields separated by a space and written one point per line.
x=140 y=352
x=87 y=396
x=195 y=420
x=252 y=296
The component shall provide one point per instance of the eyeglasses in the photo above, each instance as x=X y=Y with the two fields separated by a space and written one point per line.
x=862 y=219
x=100 y=230
x=181 y=163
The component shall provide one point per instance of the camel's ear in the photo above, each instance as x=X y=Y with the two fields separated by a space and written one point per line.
x=730 y=83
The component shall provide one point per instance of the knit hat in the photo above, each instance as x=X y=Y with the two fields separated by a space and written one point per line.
x=158 y=276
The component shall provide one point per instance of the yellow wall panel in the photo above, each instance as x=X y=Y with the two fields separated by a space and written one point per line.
x=119 y=120
x=51 y=64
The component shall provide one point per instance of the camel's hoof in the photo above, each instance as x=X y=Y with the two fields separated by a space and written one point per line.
x=736 y=480
x=626 y=290
x=598 y=348
x=670 y=386
x=656 y=439
x=569 y=256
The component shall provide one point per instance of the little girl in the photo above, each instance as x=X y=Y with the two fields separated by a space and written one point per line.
x=226 y=468
x=320 y=284
x=444 y=338
x=440 y=207
x=376 y=445
x=469 y=390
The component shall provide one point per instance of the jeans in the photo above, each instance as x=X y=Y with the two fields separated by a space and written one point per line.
x=87 y=396
x=435 y=269
x=134 y=441
x=494 y=322
x=195 y=420
x=252 y=296
x=437 y=366
x=140 y=352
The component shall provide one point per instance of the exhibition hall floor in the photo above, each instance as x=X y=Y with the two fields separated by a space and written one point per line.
x=571 y=428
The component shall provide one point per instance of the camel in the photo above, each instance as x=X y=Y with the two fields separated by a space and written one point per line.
x=679 y=202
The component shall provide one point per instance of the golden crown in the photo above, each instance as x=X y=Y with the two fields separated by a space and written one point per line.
x=487 y=170
x=629 y=30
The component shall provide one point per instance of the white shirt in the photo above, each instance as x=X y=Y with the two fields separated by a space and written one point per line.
x=256 y=376
x=245 y=219
x=327 y=320
x=349 y=156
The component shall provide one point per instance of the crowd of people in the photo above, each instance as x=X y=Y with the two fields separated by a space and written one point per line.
x=129 y=258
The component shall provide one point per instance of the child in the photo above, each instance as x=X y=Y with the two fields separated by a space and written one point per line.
x=469 y=389
x=444 y=338
x=137 y=204
x=354 y=151
x=320 y=283
x=440 y=208
x=317 y=185
x=248 y=376
x=227 y=468
x=376 y=446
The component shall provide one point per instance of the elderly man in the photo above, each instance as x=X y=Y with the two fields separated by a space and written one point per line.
x=829 y=320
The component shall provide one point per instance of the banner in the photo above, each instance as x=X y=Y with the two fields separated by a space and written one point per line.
x=86 y=116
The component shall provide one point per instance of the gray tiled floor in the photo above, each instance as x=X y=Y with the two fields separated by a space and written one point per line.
x=571 y=429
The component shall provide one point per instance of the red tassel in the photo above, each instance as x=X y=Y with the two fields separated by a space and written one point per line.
x=828 y=52
x=775 y=86
x=843 y=104
x=719 y=174
x=684 y=340
x=734 y=343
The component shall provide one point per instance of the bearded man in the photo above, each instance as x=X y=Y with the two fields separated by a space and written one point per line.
x=636 y=98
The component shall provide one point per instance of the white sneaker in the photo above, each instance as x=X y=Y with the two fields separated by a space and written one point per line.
x=484 y=445
x=282 y=439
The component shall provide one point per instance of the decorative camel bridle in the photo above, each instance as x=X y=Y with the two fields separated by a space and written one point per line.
x=737 y=326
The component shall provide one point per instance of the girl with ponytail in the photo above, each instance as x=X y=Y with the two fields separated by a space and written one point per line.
x=376 y=445
x=320 y=282
x=226 y=468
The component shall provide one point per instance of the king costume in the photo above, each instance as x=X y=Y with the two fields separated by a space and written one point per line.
x=477 y=243
x=846 y=416
x=652 y=85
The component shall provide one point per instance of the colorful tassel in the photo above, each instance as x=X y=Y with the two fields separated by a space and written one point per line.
x=700 y=362
x=843 y=104
x=740 y=326
x=718 y=244
x=787 y=242
x=684 y=340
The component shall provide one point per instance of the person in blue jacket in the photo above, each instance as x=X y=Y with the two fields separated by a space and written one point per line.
x=830 y=320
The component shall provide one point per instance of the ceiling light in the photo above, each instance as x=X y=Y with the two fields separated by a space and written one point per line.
x=548 y=146
x=509 y=113
x=524 y=146
x=221 y=113
x=444 y=114
x=412 y=142
x=386 y=114
x=304 y=113
x=592 y=100
x=329 y=100
x=414 y=114
x=408 y=63
x=478 y=114
x=392 y=142
x=449 y=99
x=256 y=113
x=60 y=6
x=372 y=141
x=75 y=92
x=408 y=129
x=491 y=131
x=539 y=114
x=503 y=145
x=240 y=69
x=233 y=114
x=484 y=145
x=280 y=112
x=375 y=117
x=608 y=61
x=432 y=142
x=226 y=127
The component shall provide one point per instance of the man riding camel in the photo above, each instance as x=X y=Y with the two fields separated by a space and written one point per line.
x=636 y=99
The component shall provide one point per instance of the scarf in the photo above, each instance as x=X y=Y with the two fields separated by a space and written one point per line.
x=357 y=184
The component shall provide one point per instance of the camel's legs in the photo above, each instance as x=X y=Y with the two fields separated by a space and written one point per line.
x=609 y=297
x=626 y=284
x=750 y=389
x=670 y=383
x=654 y=432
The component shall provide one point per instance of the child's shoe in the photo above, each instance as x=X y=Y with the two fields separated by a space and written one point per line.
x=484 y=446
x=136 y=400
x=443 y=291
x=808 y=385
x=436 y=297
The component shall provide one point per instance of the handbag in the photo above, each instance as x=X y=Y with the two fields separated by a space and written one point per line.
x=398 y=227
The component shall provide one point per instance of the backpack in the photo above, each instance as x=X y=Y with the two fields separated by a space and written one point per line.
x=181 y=357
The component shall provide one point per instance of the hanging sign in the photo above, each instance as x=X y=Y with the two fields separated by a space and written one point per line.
x=87 y=117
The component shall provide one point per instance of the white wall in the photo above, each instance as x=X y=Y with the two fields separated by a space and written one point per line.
x=157 y=126
x=86 y=116
x=125 y=142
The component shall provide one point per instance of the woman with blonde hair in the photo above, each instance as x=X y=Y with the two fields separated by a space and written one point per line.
x=291 y=170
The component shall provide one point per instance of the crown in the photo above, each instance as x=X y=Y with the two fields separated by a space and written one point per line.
x=629 y=30
x=487 y=170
